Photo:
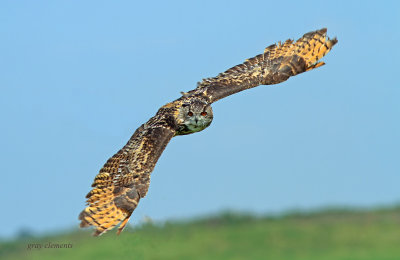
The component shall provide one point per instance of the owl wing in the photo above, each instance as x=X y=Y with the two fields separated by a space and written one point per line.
x=125 y=178
x=275 y=65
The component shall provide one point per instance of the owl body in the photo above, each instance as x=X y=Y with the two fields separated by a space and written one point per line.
x=125 y=177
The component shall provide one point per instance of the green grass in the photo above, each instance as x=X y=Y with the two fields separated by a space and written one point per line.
x=325 y=235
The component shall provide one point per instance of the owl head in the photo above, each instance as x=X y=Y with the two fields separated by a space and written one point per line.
x=194 y=115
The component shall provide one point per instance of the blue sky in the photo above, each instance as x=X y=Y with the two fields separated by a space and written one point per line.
x=78 y=77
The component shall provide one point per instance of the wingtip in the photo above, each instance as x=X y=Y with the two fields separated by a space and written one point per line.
x=97 y=233
x=84 y=223
x=331 y=42
x=323 y=30
x=317 y=65
x=319 y=32
x=123 y=225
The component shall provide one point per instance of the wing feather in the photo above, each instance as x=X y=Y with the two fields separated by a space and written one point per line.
x=125 y=178
x=275 y=65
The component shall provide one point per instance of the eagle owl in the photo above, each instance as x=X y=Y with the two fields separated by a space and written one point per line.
x=125 y=177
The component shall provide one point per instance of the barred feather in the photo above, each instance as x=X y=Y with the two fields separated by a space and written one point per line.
x=275 y=65
x=125 y=178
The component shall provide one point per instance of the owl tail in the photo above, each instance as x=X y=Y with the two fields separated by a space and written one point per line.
x=108 y=205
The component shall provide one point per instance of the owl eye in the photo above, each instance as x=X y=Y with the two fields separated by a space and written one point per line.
x=190 y=114
x=203 y=113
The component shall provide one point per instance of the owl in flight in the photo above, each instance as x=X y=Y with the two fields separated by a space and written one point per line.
x=125 y=177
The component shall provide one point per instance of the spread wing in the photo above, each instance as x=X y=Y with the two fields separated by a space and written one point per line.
x=125 y=178
x=275 y=65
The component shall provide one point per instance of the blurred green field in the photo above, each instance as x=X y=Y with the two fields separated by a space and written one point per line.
x=323 y=235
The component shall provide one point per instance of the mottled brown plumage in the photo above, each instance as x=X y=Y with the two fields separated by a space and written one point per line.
x=125 y=177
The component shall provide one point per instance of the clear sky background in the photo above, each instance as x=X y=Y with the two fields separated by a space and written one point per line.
x=78 y=77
